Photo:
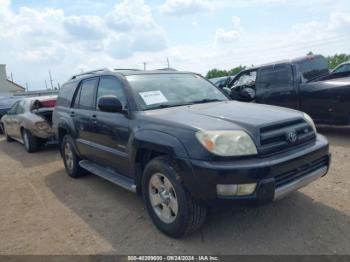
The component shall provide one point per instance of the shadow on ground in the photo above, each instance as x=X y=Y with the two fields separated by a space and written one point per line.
x=295 y=225
x=16 y=151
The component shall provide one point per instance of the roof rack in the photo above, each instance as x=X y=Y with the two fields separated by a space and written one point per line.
x=126 y=69
x=90 y=72
x=102 y=70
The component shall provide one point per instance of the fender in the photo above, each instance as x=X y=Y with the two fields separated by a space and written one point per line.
x=68 y=125
x=155 y=141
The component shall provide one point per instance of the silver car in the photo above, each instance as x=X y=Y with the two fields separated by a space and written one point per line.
x=29 y=122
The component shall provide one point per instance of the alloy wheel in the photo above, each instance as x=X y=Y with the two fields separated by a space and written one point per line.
x=163 y=198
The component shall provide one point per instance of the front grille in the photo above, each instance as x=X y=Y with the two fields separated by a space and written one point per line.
x=288 y=177
x=273 y=138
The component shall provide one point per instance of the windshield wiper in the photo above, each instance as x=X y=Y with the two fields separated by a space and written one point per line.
x=167 y=106
x=207 y=100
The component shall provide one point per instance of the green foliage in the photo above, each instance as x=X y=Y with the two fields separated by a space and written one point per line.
x=337 y=59
x=219 y=73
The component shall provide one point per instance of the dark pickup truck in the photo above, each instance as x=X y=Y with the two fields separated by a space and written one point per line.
x=183 y=144
x=303 y=83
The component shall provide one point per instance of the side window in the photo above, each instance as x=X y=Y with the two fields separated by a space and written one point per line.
x=66 y=94
x=20 y=107
x=86 y=94
x=13 y=108
x=274 y=77
x=110 y=86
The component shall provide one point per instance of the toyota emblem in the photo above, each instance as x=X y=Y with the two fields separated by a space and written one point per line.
x=292 y=136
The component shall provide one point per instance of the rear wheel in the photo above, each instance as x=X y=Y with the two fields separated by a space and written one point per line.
x=172 y=209
x=70 y=158
x=31 y=143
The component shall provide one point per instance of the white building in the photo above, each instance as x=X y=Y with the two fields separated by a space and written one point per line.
x=7 y=86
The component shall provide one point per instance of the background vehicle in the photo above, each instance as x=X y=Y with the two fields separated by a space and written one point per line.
x=29 y=121
x=180 y=142
x=221 y=81
x=5 y=105
x=301 y=84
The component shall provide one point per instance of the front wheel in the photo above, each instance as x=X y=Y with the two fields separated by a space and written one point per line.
x=172 y=209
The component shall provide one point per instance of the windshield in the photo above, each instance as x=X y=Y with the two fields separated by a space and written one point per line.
x=164 y=90
x=312 y=68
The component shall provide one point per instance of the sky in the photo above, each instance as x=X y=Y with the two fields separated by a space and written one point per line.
x=69 y=37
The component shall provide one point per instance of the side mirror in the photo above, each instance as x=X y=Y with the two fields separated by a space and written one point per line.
x=110 y=104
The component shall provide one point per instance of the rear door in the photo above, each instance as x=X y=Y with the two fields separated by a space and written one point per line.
x=81 y=112
x=112 y=129
x=275 y=86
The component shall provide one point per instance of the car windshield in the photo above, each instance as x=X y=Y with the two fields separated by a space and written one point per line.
x=312 y=68
x=152 y=91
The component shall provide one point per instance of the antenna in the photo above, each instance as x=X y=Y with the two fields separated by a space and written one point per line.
x=51 y=80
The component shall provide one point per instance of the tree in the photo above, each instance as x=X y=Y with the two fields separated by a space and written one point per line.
x=337 y=59
x=219 y=73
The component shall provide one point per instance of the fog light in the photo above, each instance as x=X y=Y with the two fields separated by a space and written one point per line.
x=235 y=190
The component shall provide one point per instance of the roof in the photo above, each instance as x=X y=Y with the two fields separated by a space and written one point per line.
x=286 y=61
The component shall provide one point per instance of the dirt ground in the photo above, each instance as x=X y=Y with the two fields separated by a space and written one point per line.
x=43 y=211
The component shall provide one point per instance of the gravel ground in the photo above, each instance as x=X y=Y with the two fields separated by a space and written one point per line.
x=43 y=211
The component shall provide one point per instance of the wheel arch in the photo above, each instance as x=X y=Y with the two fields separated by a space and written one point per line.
x=147 y=145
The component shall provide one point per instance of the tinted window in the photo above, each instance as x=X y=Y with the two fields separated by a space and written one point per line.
x=66 y=94
x=110 y=86
x=277 y=76
x=313 y=67
x=86 y=94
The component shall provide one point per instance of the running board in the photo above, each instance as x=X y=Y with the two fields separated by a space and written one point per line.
x=108 y=174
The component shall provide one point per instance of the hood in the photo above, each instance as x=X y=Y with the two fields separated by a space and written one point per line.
x=225 y=115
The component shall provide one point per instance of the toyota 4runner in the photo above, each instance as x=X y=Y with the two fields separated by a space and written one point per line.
x=180 y=142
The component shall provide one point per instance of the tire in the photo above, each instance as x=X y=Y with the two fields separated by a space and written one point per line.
x=70 y=158
x=186 y=215
x=31 y=143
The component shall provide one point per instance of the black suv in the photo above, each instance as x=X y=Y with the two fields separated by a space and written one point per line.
x=179 y=141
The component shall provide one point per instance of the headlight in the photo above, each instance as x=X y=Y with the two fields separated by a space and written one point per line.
x=227 y=143
x=309 y=120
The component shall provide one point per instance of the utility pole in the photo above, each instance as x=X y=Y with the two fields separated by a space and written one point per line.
x=51 y=80
x=167 y=60
x=144 y=65
x=27 y=88
x=11 y=77
x=46 y=84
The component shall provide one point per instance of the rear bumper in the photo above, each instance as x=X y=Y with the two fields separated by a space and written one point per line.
x=276 y=176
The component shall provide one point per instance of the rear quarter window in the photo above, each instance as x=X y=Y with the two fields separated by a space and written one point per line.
x=65 y=95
